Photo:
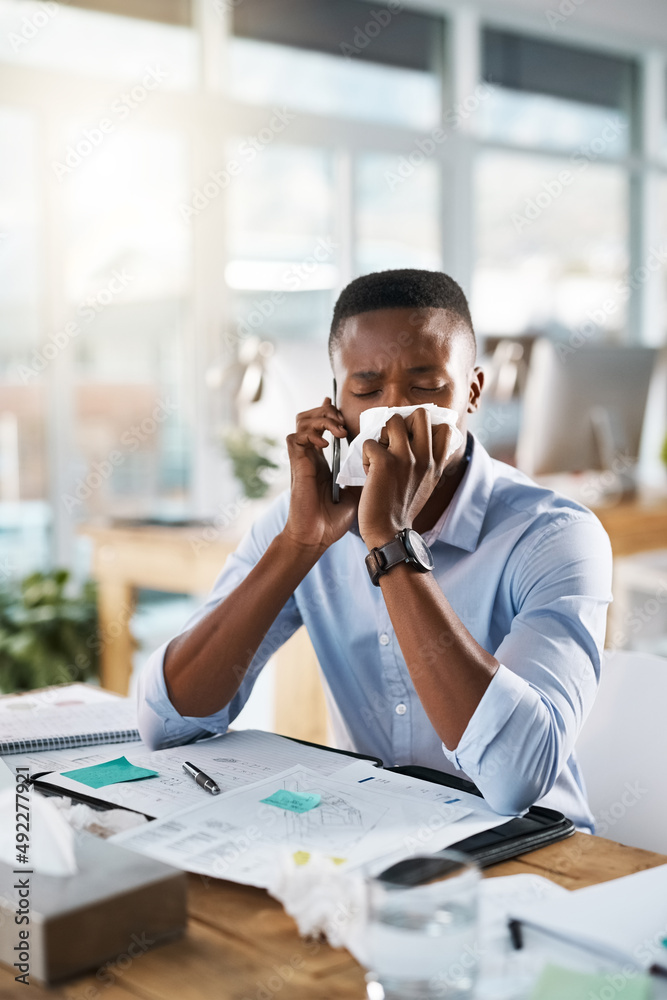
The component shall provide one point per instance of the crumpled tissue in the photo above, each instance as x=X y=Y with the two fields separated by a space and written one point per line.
x=323 y=899
x=371 y=423
x=51 y=844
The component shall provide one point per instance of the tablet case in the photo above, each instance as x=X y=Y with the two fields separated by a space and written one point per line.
x=537 y=828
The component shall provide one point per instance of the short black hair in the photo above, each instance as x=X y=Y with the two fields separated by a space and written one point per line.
x=405 y=288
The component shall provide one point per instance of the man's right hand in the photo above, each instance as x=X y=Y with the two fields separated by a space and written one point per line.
x=314 y=520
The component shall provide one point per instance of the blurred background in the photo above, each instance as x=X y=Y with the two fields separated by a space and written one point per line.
x=185 y=187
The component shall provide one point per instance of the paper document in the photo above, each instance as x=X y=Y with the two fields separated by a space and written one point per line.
x=624 y=919
x=233 y=760
x=480 y=816
x=237 y=836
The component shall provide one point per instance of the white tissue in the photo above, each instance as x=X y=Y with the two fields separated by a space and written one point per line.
x=322 y=899
x=371 y=423
x=51 y=843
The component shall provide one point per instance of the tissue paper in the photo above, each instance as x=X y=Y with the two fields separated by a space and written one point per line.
x=371 y=423
x=51 y=837
x=323 y=899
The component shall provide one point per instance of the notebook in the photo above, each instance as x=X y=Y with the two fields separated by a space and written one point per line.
x=65 y=716
x=624 y=919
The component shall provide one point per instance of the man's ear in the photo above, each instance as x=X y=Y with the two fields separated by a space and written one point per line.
x=476 y=386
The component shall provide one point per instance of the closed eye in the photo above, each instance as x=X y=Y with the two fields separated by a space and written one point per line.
x=415 y=388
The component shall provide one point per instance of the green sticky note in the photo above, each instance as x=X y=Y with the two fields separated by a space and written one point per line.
x=109 y=773
x=296 y=802
x=556 y=983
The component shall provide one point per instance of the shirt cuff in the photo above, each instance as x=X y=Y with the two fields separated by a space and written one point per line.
x=160 y=725
x=491 y=715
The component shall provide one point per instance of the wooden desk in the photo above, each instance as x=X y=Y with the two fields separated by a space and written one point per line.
x=187 y=561
x=635 y=525
x=241 y=945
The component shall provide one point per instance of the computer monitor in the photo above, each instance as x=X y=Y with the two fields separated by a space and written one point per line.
x=584 y=410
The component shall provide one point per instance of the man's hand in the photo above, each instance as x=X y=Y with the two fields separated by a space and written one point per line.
x=402 y=469
x=314 y=520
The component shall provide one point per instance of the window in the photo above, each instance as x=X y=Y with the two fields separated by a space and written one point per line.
x=56 y=36
x=551 y=246
x=25 y=520
x=346 y=59
x=282 y=243
x=398 y=217
x=127 y=278
x=556 y=97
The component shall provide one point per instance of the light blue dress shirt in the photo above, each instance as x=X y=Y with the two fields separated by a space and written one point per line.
x=527 y=571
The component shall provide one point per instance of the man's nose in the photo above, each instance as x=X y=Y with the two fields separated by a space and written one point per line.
x=396 y=396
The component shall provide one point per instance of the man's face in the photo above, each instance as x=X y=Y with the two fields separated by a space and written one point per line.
x=404 y=357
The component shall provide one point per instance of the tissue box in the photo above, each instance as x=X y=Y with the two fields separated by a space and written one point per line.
x=118 y=904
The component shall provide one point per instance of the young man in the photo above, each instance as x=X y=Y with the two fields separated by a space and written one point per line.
x=488 y=662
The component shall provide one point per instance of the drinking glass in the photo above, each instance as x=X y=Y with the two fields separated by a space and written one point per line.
x=422 y=939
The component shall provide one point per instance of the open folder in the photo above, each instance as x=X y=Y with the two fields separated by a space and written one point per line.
x=242 y=760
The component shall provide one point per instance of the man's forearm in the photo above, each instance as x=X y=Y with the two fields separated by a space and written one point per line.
x=449 y=669
x=204 y=667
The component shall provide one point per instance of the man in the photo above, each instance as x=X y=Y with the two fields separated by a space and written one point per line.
x=488 y=663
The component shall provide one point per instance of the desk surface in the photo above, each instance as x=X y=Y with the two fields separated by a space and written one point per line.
x=239 y=940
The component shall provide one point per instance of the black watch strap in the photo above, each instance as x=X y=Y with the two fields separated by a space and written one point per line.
x=382 y=558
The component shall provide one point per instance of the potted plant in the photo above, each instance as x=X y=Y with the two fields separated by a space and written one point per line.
x=45 y=633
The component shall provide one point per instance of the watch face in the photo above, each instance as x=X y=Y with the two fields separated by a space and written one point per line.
x=419 y=549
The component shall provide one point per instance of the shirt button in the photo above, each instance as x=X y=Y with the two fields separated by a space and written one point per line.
x=384 y=639
x=401 y=709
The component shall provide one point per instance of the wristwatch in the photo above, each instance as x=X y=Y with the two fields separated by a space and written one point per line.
x=408 y=546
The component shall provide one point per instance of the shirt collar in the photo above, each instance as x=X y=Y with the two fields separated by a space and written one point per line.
x=468 y=507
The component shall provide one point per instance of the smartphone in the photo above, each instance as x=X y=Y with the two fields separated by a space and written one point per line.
x=335 y=462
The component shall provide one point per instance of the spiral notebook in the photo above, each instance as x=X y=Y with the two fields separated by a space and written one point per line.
x=73 y=715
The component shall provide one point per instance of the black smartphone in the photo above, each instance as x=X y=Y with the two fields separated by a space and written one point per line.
x=335 y=461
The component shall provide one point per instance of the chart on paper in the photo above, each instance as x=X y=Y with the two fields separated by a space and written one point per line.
x=233 y=761
x=239 y=837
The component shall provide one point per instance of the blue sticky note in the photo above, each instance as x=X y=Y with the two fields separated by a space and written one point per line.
x=110 y=772
x=297 y=802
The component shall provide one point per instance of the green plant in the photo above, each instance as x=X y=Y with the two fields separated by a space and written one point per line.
x=45 y=635
x=249 y=456
x=663 y=453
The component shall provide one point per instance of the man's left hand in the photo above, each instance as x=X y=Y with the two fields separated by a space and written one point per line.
x=402 y=470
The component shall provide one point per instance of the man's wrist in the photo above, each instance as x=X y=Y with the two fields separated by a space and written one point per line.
x=378 y=537
x=297 y=549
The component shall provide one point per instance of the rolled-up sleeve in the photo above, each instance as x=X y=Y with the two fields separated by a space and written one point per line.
x=160 y=725
x=526 y=724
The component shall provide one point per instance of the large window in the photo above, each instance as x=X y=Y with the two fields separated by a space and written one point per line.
x=552 y=232
x=552 y=246
x=181 y=201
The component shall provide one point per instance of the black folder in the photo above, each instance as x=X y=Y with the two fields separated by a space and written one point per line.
x=519 y=835
x=537 y=828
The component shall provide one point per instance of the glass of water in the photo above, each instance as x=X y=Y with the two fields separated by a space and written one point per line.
x=422 y=939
